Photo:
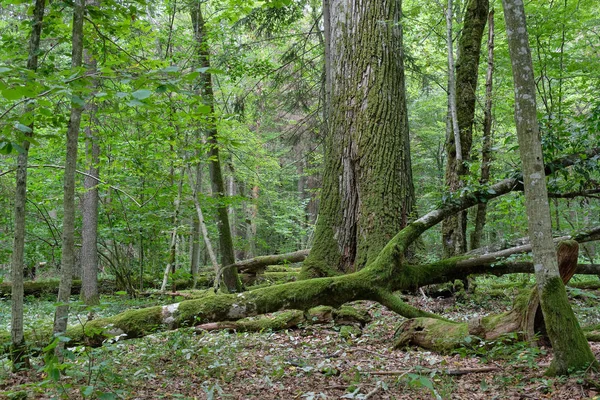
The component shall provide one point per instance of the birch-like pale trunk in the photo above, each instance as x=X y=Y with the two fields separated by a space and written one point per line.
x=452 y=82
x=18 y=349
x=170 y=267
x=201 y=223
x=68 y=236
x=571 y=349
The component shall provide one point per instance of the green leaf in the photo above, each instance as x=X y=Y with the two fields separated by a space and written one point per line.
x=12 y=94
x=18 y=148
x=203 y=109
x=4 y=69
x=426 y=382
x=87 y=391
x=141 y=94
x=135 y=103
x=121 y=293
x=23 y=128
x=5 y=147
x=77 y=100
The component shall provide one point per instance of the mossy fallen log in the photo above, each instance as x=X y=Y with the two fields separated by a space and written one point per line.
x=40 y=288
x=525 y=317
x=343 y=316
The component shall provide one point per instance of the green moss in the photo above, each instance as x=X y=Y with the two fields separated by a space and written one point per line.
x=280 y=321
x=350 y=315
x=350 y=331
x=433 y=334
x=571 y=349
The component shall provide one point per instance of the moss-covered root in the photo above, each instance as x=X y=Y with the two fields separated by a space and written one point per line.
x=571 y=349
x=395 y=304
x=592 y=333
x=430 y=333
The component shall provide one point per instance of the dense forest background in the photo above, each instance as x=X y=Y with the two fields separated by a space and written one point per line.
x=196 y=115
x=268 y=71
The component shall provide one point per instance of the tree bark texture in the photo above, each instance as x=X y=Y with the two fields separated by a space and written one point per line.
x=68 y=236
x=454 y=237
x=571 y=350
x=486 y=150
x=231 y=282
x=89 y=228
x=367 y=193
x=18 y=357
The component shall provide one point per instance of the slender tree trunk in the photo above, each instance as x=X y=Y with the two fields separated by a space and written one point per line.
x=452 y=83
x=208 y=244
x=170 y=267
x=89 y=228
x=230 y=277
x=486 y=151
x=571 y=349
x=367 y=190
x=195 y=257
x=18 y=355
x=458 y=149
x=68 y=245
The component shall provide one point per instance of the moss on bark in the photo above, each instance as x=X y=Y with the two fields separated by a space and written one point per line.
x=571 y=350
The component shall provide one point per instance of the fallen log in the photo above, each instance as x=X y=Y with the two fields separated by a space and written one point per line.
x=377 y=281
x=345 y=315
x=524 y=319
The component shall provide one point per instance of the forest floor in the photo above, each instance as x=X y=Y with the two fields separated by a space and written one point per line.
x=313 y=362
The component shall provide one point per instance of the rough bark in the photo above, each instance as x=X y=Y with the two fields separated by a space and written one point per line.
x=68 y=236
x=486 y=147
x=231 y=282
x=89 y=228
x=254 y=265
x=18 y=356
x=367 y=192
x=454 y=238
x=571 y=350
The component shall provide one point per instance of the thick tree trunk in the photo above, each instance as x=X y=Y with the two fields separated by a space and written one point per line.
x=571 y=350
x=18 y=356
x=68 y=237
x=454 y=239
x=367 y=192
x=231 y=282
x=486 y=150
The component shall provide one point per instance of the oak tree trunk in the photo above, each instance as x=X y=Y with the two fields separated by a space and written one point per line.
x=367 y=193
